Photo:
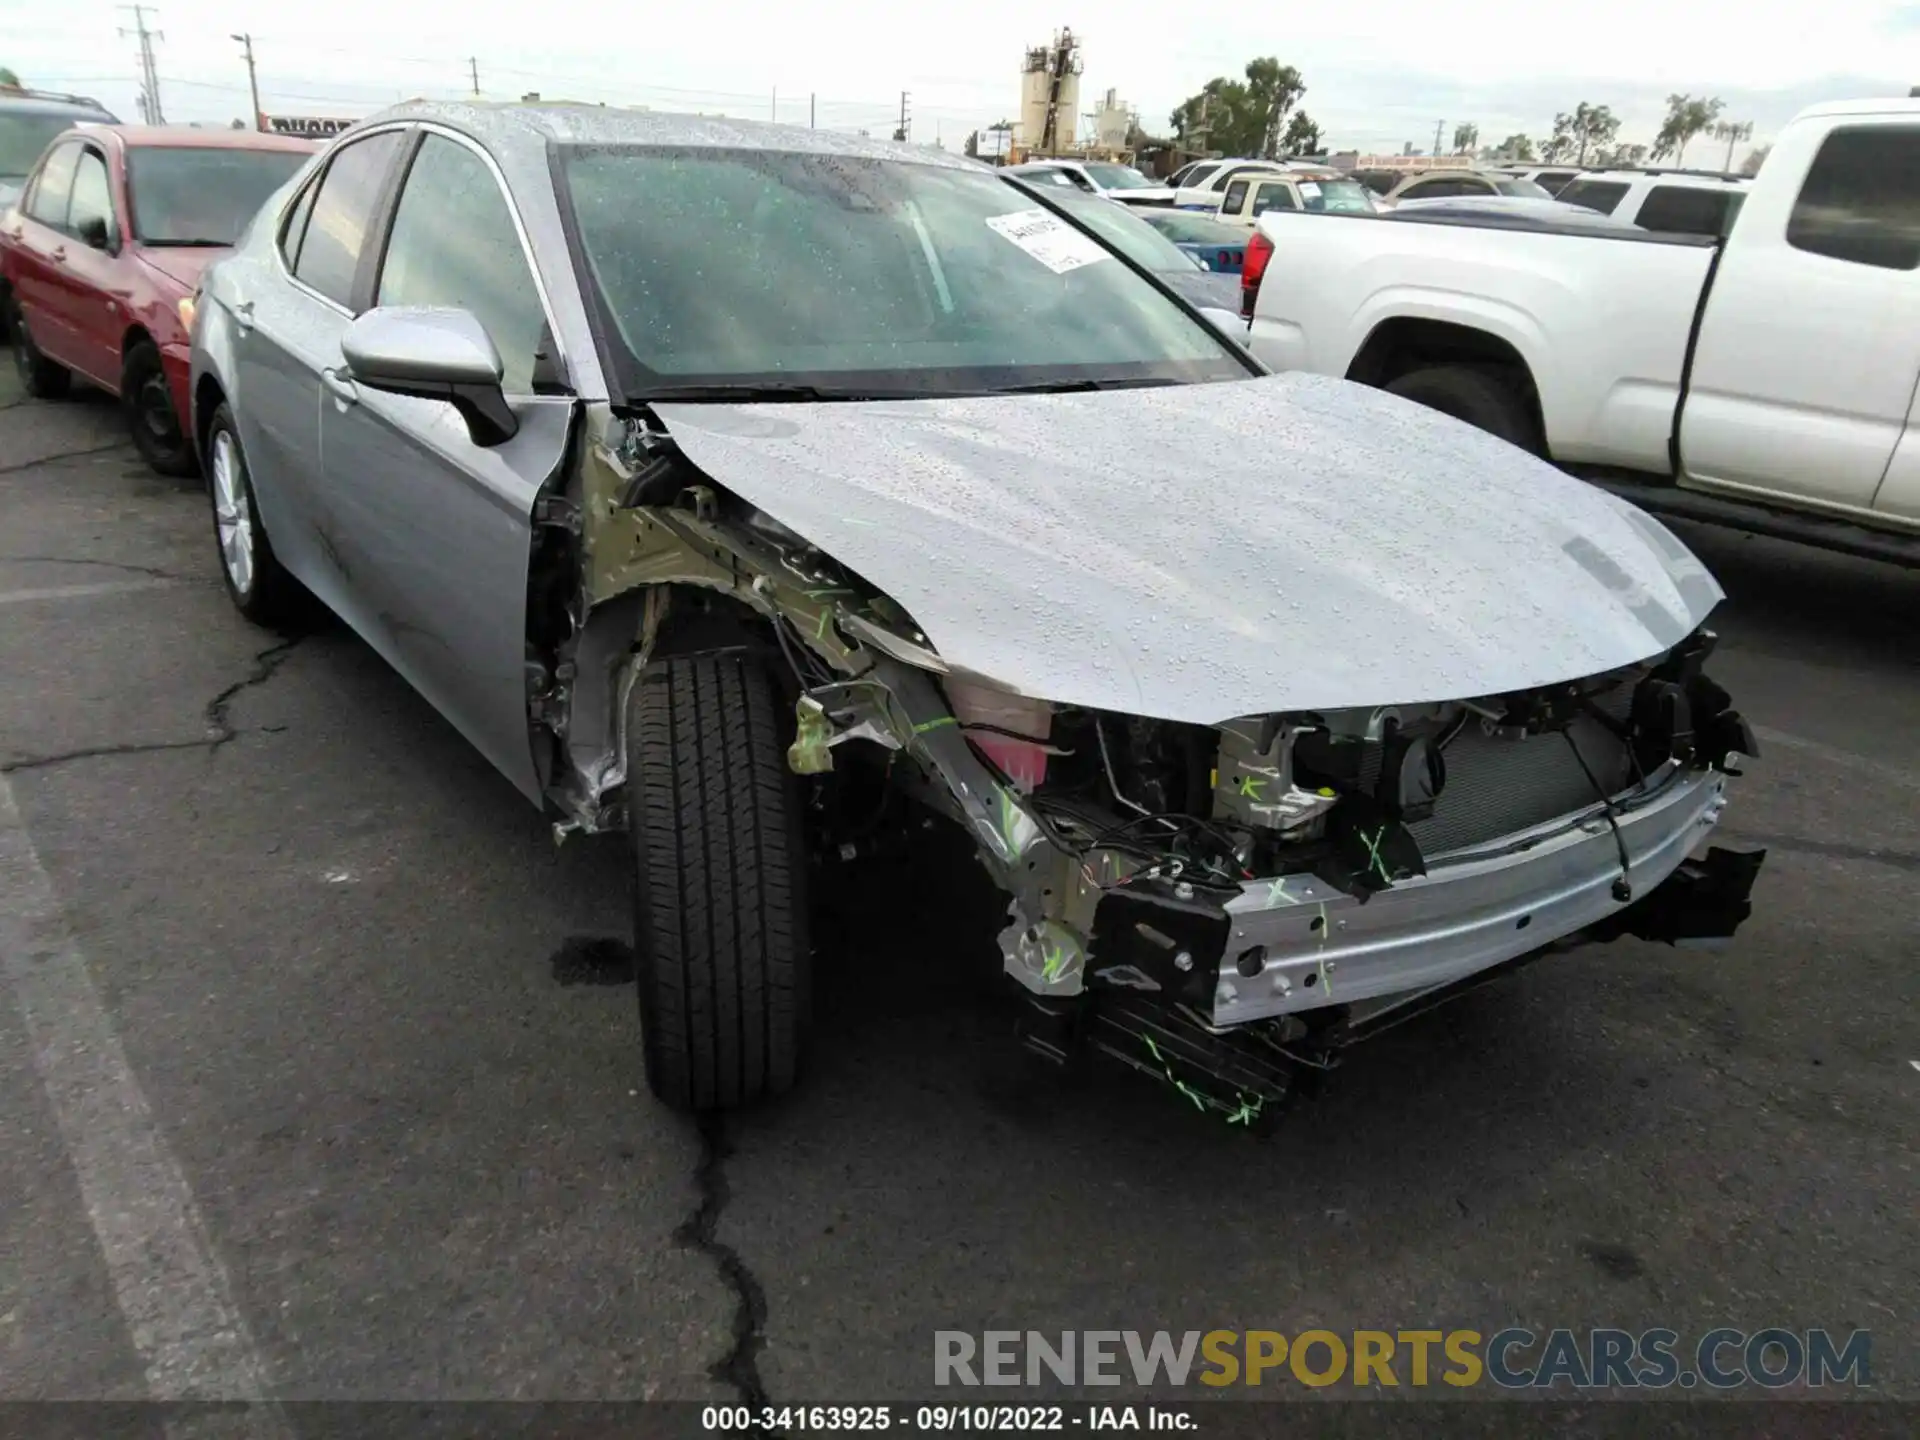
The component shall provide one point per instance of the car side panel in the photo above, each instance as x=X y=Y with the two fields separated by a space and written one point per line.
x=437 y=532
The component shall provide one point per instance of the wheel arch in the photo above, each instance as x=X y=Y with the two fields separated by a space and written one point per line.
x=1405 y=343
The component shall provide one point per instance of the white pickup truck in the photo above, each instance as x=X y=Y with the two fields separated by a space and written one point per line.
x=1765 y=381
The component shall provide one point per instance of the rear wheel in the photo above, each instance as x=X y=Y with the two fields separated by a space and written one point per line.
x=720 y=916
x=41 y=377
x=259 y=587
x=148 y=400
x=1483 y=398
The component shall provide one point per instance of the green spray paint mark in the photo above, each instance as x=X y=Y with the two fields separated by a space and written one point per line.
x=926 y=725
x=1009 y=822
x=1251 y=786
x=820 y=633
x=1199 y=1101
x=1373 y=851
x=1247 y=1113
x=818 y=594
x=1277 y=891
x=1056 y=961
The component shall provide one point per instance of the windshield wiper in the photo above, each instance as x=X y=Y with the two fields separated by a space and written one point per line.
x=759 y=391
x=1063 y=387
x=186 y=244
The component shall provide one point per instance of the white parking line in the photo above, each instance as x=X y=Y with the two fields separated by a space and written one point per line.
x=169 y=1283
x=78 y=592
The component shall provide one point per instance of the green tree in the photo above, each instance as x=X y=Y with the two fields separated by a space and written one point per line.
x=1241 y=117
x=1272 y=89
x=1756 y=157
x=973 y=145
x=1686 y=118
x=1514 y=147
x=1557 y=147
x=7 y=77
x=1302 y=137
x=1587 y=128
x=1465 y=137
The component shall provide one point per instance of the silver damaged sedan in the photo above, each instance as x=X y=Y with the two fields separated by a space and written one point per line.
x=720 y=481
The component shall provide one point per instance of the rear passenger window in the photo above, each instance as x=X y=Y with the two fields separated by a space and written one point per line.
x=337 y=228
x=296 y=227
x=1438 y=189
x=55 y=186
x=1236 y=197
x=1684 y=210
x=1602 y=195
x=1861 y=200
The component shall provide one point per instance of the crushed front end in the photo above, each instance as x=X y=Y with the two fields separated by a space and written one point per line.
x=1228 y=906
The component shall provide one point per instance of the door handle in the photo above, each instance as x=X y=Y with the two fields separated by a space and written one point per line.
x=345 y=392
x=243 y=316
x=59 y=254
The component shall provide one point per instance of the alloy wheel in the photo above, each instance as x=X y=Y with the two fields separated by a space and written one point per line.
x=232 y=512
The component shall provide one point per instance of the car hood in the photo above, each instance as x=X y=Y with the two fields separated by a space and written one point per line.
x=182 y=264
x=1201 y=552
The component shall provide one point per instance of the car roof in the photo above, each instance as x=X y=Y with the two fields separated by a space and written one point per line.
x=77 y=106
x=190 y=137
x=1668 y=177
x=524 y=131
x=1888 y=106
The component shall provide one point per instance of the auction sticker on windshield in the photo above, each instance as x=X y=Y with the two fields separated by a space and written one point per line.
x=1058 y=247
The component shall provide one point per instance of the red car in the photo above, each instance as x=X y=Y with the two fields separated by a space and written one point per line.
x=100 y=256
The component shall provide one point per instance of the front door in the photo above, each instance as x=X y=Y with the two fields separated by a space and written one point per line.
x=41 y=251
x=95 y=292
x=437 y=529
x=1810 y=347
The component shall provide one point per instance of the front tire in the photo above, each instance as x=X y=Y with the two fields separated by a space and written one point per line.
x=39 y=376
x=720 y=919
x=259 y=587
x=1482 y=398
x=147 y=399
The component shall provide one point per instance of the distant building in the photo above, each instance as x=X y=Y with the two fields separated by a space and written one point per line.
x=1050 y=95
x=1112 y=123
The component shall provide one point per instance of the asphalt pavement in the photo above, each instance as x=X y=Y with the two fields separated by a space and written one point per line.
x=319 y=1073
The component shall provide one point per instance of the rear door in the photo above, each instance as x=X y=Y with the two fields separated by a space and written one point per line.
x=289 y=312
x=1272 y=195
x=93 y=290
x=1804 y=375
x=437 y=530
x=40 y=252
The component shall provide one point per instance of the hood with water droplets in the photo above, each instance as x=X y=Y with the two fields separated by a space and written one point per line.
x=1203 y=552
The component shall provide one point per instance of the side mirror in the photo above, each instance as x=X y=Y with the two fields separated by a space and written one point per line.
x=1230 y=325
x=94 y=233
x=433 y=353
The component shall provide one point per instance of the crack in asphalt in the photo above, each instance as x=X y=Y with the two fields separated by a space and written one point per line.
x=264 y=665
x=219 y=725
x=739 y=1367
x=1830 y=849
x=152 y=570
x=15 y=466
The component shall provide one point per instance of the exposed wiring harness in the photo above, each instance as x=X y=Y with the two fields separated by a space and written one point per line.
x=1623 y=887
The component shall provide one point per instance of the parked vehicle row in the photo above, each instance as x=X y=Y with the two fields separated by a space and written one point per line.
x=29 y=121
x=1765 y=379
x=101 y=252
x=725 y=555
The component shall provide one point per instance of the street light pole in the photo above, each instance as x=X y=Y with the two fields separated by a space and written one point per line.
x=253 y=79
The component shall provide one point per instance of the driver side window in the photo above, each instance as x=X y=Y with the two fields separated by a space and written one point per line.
x=54 y=186
x=454 y=243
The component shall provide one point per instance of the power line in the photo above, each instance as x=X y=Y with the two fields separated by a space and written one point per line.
x=150 y=81
x=253 y=79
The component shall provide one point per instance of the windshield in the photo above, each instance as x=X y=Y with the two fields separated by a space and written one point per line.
x=1190 y=229
x=1525 y=189
x=1117 y=177
x=23 y=137
x=1337 y=197
x=202 y=195
x=1125 y=231
x=713 y=267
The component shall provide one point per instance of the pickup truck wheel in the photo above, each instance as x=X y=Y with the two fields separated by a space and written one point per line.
x=148 y=400
x=258 y=585
x=1479 y=397
x=720 y=920
x=41 y=378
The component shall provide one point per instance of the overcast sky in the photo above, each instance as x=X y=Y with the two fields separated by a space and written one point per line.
x=1378 y=72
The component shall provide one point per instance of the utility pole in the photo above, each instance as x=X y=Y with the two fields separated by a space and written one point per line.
x=1438 y=126
x=811 y=109
x=253 y=79
x=901 y=133
x=773 y=110
x=149 y=76
x=473 y=72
